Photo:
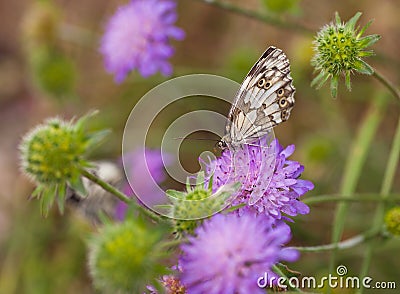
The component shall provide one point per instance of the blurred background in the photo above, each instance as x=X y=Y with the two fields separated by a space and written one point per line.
x=48 y=255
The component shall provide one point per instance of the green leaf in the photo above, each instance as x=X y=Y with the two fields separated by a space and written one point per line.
x=234 y=208
x=363 y=67
x=337 y=18
x=77 y=184
x=61 y=192
x=47 y=199
x=175 y=194
x=98 y=137
x=200 y=180
x=368 y=41
x=334 y=86
x=347 y=80
x=37 y=192
x=210 y=182
x=80 y=123
x=320 y=80
x=366 y=53
x=350 y=25
x=361 y=32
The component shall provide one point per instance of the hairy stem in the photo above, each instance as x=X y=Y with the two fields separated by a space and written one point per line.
x=269 y=19
x=345 y=244
x=372 y=197
x=387 y=182
x=121 y=196
x=353 y=168
x=387 y=84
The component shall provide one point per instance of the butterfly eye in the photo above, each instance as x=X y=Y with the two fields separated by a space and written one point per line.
x=281 y=92
x=283 y=102
x=261 y=83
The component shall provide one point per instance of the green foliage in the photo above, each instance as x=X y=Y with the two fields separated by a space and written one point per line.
x=190 y=207
x=53 y=155
x=54 y=72
x=339 y=49
x=125 y=257
x=392 y=221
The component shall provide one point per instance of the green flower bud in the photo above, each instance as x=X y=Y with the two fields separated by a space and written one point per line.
x=197 y=203
x=53 y=72
x=392 y=221
x=124 y=257
x=53 y=155
x=339 y=48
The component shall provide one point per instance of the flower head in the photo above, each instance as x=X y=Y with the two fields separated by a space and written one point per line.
x=339 y=49
x=125 y=256
x=53 y=155
x=230 y=252
x=138 y=37
x=392 y=221
x=196 y=203
x=266 y=172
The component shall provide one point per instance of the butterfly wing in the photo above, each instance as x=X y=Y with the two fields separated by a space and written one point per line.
x=264 y=100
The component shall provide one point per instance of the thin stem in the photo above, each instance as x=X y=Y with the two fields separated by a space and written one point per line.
x=121 y=196
x=277 y=270
x=387 y=84
x=354 y=164
x=373 y=197
x=388 y=178
x=345 y=244
x=269 y=19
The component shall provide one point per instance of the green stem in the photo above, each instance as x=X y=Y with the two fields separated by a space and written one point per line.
x=269 y=19
x=388 y=178
x=372 y=197
x=345 y=244
x=387 y=84
x=353 y=168
x=121 y=196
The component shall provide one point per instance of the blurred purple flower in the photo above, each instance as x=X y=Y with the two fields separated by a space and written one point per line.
x=277 y=192
x=230 y=252
x=135 y=165
x=138 y=37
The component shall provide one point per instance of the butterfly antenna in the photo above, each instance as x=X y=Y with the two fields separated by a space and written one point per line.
x=198 y=139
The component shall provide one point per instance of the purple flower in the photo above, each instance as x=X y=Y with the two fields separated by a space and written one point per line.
x=267 y=176
x=135 y=163
x=138 y=37
x=230 y=253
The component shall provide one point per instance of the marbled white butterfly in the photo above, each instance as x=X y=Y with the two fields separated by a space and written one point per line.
x=263 y=101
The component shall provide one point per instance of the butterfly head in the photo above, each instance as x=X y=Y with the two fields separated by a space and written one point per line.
x=222 y=145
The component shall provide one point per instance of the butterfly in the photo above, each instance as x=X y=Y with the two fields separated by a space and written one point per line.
x=264 y=100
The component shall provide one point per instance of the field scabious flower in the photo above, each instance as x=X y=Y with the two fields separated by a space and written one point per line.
x=229 y=253
x=187 y=209
x=392 y=221
x=339 y=49
x=53 y=156
x=124 y=257
x=138 y=37
x=279 y=193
